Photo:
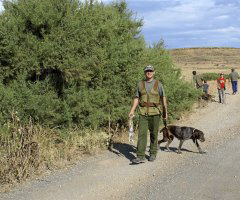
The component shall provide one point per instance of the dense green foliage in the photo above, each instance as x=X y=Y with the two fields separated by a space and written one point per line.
x=213 y=76
x=65 y=63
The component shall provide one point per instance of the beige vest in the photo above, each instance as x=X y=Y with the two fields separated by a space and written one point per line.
x=149 y=104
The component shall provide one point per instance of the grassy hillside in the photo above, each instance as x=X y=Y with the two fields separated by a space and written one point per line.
x=206 y=60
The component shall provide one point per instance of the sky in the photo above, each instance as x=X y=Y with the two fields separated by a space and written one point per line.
x=188 y=23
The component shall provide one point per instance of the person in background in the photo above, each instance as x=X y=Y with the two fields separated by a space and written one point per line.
x=221 y=88
x=205 y=87
x=149 y=97
x=234 y=76
x=197 y=80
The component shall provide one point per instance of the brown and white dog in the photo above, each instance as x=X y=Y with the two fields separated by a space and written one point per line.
x=182 y=133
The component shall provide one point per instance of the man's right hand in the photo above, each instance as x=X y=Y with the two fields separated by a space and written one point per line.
x=135 y=103
x=165 y=115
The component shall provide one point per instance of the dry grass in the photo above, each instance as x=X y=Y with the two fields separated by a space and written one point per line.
x=205 y=60
x=210 y=56
x=28 y=150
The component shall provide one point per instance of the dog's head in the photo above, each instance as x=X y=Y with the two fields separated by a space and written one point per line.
x=199 y=135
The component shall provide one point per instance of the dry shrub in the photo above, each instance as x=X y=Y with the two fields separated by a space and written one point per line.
x=28 y=150
x=92 y=142
x=20 y=153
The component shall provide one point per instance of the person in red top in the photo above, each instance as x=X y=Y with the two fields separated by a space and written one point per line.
x=221 y=88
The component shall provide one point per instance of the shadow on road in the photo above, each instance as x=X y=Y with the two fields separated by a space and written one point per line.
x=174 y=149
x=123 y=149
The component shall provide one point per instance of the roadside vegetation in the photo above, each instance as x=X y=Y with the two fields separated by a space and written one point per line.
x=68 y=73
x=212 y=76
x=28 y=150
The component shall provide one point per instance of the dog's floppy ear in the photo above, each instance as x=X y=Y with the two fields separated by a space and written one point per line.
x=196 y=133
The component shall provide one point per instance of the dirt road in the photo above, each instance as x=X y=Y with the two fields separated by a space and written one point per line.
x=190 y=175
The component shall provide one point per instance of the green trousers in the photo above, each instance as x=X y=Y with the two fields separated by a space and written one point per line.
x=146 y=123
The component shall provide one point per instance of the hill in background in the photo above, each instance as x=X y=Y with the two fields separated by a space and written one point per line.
x=206 y=60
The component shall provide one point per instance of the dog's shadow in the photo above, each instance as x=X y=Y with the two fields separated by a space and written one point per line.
x=123 y=149
x=174 y=149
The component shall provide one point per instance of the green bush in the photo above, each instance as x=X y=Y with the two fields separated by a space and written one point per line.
x=67 y=63
x=31 y=100
x=213 y=76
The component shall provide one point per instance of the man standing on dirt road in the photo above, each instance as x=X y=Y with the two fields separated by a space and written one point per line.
x=197 y=80
x=234 y=80
x=149 y=96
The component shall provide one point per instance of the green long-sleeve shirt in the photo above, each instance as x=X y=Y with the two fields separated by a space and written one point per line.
x=234 y=76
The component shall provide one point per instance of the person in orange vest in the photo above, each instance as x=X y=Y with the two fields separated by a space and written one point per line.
x=221 y=88
x=151 y=101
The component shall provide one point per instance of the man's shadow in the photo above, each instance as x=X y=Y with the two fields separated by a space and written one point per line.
x=126 y=150
x=123 y=149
